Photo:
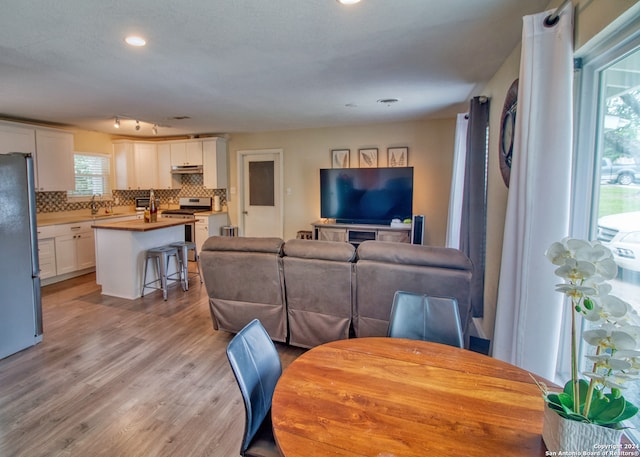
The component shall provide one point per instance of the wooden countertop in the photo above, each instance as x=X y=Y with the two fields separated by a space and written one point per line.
x=397 y=397
x=141 y=226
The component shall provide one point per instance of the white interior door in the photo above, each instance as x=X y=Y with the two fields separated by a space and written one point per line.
x=261 y=200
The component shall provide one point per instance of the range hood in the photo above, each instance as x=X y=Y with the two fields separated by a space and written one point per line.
x=186 y=169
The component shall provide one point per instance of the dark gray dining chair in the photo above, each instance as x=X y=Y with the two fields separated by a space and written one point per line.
x=257 y=368
x=420 y=317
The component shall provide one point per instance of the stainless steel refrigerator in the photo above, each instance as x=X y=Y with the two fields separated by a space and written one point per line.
x=20 y=304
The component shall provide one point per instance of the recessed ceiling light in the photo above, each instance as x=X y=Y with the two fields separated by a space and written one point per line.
x=348 y=2
x=135 y=41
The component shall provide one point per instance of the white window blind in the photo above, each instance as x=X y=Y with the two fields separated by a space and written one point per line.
x=93 y=174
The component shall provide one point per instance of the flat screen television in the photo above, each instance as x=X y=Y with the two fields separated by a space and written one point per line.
x=366 y=195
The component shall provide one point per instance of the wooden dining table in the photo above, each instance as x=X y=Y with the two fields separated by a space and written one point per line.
x=393 y=397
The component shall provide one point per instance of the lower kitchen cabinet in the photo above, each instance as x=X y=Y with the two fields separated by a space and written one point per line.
x=75 y=248
x=47 y=257
x=47 y=251
x=67 y=250
x=207 y=226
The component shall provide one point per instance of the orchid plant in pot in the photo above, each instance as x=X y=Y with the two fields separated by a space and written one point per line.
x=597 y=400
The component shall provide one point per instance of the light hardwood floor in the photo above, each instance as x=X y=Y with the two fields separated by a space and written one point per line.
x=123 y=378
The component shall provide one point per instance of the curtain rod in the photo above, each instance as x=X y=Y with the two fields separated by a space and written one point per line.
x=553 y=18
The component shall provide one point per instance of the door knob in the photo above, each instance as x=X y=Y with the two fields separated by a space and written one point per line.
x=245 y=212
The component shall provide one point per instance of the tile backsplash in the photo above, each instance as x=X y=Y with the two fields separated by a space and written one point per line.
x=192 y=186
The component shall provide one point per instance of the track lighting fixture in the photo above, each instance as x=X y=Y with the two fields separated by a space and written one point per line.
x=116 y=123
x=137 y=125
x=155 y=129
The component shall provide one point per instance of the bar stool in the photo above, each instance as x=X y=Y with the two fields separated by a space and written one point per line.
x=161 y=255
x=183 y=248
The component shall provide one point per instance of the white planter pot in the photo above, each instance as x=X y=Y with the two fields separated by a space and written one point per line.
x=578 y=438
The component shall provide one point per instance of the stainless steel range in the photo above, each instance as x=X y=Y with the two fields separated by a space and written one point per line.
x=189 y=206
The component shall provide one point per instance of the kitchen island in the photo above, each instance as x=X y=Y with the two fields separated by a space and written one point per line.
x=121 y=248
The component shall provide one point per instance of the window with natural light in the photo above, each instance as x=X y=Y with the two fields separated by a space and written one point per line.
x=614 y=152
x=92 y=175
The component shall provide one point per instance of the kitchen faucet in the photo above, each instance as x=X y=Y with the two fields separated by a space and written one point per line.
x=94 y=205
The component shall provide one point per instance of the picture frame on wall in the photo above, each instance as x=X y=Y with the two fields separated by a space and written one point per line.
x=368 y=158
x=340 y=158
x=398 y=157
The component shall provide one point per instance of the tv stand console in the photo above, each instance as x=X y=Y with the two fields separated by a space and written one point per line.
x=357 y=233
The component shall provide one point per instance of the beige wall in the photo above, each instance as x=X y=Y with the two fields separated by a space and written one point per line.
x=430 y=146
x=592 y=17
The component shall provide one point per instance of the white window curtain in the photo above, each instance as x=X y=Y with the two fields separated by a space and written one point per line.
x=457 y=182
x=529 y=310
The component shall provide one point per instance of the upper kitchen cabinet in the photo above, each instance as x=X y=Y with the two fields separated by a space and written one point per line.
x=166 y=180
x=17 y=139
x=186 y=153
x=124 y=163
x=52 y=151
x=54 y=160
x=146 y=165
x=136 y=165
x=214 y=156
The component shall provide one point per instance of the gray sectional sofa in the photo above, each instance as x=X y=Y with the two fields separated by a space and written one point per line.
x=308 y=292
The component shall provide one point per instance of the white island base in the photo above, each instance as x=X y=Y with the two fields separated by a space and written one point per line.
x=121 y=251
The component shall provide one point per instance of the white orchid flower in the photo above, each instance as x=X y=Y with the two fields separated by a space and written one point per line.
x=609 y=362
x=610 y=338
x=631 y=356
x=607 y=268
x=558 y=253
x=575 y=271
x=592 y=253
x=575 y=291
x=574 y=244
x=605 y=380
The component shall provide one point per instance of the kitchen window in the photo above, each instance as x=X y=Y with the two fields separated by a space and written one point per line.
x=606 y=196
x=92 y=175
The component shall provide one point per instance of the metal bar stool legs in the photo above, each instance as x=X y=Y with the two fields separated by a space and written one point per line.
x=161 y=256
x=183 y=248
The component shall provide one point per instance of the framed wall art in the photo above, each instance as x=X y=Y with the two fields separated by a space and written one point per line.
x=368 y=158
x=398 y=157
x=340 y=158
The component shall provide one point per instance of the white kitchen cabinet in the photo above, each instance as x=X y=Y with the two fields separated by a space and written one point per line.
x=136 y=165
x=54 y=160
x=52 y=151
x=214 y=163
x=124 y=163
x=166 y=180
x=145 y=160
x=186 y=153
x=17 y=139
x=47 y=251
x=47 y=257
x=75 y=247
x=207 y=226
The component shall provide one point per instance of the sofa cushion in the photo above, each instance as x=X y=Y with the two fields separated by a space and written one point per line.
x=318 y=278
x=243 y=244
x=244 y=281
x=320 y=250
x=384 y=268
x=411 y=254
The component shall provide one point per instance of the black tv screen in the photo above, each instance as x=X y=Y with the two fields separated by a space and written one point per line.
x=366 y=195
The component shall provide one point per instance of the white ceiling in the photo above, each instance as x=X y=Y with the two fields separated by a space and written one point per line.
x=249 y=65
